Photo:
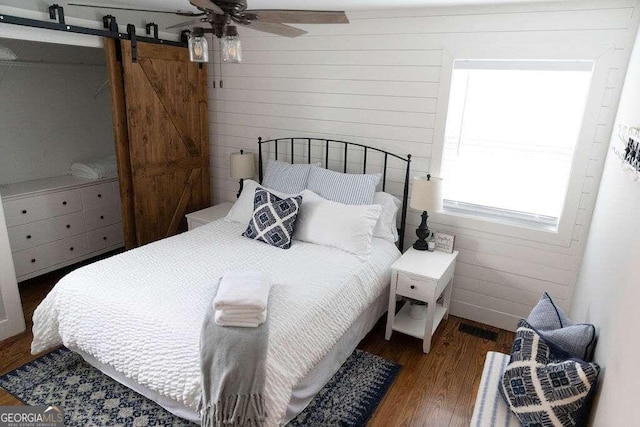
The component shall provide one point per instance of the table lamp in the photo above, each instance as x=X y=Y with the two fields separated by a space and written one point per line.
x=426 y=195
x=242 y=167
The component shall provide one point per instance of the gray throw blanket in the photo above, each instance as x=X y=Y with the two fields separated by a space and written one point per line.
x=232 y=362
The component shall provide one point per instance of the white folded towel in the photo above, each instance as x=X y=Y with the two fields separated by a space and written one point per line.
x=243 y=290
x=102 y=168
x=247 y=320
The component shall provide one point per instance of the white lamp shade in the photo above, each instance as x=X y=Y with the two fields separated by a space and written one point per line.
x=242 y=166
x=426 y=195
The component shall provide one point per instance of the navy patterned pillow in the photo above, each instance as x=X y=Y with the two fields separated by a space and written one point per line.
x=544 y=388
x=273 y=220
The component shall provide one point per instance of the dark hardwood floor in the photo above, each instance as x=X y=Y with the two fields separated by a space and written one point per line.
x=435 y=389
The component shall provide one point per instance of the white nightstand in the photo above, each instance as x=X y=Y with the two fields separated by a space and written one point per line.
x=422 y=276
x=205 y=216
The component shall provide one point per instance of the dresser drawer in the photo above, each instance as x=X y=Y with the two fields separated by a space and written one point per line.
x=33 y=259
x=62 y=203
x=22 y=211
x=67 y=249
x=414 y=287
x=98 y=196
x=67 y=226
x=101 y=217
x=105 y=237
x=40 y=232
x=30 y=235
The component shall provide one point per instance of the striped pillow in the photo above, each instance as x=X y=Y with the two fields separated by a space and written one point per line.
x=350 y=189
x=285 y=177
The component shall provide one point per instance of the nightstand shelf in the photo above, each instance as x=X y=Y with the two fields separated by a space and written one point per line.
x=405 y=324
x=426 y=277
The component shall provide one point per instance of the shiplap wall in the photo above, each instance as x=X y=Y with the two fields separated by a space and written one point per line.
x=376 y=81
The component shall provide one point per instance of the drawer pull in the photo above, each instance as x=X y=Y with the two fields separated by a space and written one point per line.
x=64 y=203
x=68 y=226
x=33 y=260
x=24 y=211
x=99 y=195
x=71 y=248
x=413 y=287
x=101 y=216
x=104 y=238
x=28 y=236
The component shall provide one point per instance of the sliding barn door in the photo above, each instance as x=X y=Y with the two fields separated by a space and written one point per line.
x=165 y=97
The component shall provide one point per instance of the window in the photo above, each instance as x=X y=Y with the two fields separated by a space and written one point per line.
x=511 y=132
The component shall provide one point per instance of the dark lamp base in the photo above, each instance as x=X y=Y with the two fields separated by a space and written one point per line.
x=421 y=245
x=423 y=234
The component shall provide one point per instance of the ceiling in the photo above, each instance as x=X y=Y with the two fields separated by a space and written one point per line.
x=317 y=4
x=347 y=5
x=165 y=20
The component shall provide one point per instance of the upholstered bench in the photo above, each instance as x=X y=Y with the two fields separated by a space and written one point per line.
x=490 y=408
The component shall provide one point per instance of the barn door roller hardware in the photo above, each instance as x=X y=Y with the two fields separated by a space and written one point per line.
x=131 y=31
x=54 y=10
x=152 y=26
x=56 y=13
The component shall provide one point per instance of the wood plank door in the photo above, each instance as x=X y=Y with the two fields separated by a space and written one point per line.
x=168 y=138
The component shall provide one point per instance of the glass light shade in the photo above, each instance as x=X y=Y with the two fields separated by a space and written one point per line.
x=426 y=194
x=242 y=165
x=198 y=48
x=231 y=49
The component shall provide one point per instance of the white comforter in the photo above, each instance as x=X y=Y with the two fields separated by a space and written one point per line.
x=141 y=311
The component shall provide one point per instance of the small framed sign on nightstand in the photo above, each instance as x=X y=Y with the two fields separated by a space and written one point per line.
x=444 y=242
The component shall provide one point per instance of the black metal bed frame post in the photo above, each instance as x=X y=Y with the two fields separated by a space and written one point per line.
x=260 y=158
x=405 y=203
x=293 y=160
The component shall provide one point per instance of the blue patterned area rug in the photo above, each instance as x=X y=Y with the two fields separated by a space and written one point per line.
x=90 y=398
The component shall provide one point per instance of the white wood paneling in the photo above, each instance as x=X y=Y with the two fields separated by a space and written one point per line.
x=379 y=81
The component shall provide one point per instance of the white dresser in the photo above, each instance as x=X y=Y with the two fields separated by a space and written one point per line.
x=59 y=221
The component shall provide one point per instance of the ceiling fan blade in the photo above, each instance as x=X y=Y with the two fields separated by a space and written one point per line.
x=301 y=16
x=207 y=5
x=274 y=28
x=187 y=23
x=177 y=12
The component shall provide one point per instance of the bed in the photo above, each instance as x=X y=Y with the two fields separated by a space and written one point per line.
x=137 y=316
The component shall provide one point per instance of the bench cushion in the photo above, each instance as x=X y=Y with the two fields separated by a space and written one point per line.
x=490 y=408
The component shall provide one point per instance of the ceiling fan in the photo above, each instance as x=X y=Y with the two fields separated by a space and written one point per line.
x=221 y=15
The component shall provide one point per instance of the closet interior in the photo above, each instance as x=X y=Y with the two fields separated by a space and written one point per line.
x=58 y=173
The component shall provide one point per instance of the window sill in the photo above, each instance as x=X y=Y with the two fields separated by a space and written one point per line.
x=505 y=219
x=560 y=236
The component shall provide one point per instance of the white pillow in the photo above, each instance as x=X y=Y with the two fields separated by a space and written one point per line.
x=346 y=227
x=242 y=209
x=286 y=177
x=387 y=226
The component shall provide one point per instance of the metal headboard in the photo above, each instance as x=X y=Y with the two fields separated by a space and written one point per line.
x=344 y=145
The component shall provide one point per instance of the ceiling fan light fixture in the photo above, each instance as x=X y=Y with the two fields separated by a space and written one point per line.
x=198 y=46
x=230 y=46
